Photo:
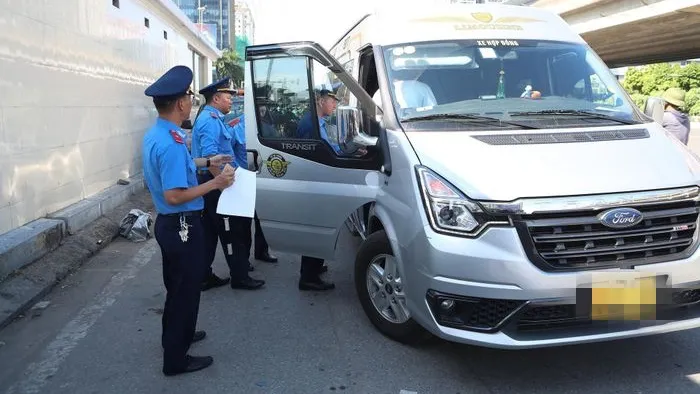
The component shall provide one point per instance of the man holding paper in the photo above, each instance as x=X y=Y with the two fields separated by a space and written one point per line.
x=262 y=251
x=210 y=137
x=169 y=172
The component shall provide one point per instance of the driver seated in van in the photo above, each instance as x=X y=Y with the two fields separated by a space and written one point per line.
x=326 y=102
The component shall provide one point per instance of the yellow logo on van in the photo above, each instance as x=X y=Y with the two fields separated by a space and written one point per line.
x=480 y=21
x=484 y=17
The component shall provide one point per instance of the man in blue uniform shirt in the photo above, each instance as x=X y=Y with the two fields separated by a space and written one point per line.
x=210 y=136
x=169 y=171
x=326 y=102
x=262 y=252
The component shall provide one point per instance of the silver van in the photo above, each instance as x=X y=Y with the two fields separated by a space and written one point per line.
x=507 y=191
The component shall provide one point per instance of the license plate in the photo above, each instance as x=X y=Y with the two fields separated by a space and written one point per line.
x=620 y=296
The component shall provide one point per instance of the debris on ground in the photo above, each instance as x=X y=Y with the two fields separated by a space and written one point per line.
x=136 y=226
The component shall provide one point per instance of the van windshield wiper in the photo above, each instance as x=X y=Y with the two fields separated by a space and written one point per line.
x=580 y=113
x=466 y=117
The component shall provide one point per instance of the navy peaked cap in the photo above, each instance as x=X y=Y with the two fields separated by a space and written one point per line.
x=175 y=82
x=223 y=85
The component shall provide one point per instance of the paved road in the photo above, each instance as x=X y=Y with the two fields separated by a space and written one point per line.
x=100 y=334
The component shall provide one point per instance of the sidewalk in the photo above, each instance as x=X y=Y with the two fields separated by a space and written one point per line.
x=27 y=285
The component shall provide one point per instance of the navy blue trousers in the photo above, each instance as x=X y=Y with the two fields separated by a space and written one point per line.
x=235 y=236
x=184 y=267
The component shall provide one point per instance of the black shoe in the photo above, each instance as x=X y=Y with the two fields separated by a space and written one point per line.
x=266 y=257
x=214 y=281
x=316 y=285
x=198 y=336
x=192 y=364
x=247 y=284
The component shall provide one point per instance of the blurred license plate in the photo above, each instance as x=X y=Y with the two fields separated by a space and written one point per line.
x=623 y=296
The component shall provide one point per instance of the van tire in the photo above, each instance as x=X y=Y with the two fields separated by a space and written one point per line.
x=409 y=332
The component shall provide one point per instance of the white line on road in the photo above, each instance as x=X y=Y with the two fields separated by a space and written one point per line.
x=407 y=392
x=37 y=374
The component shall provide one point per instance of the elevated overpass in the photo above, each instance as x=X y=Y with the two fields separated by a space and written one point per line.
x=633 y=32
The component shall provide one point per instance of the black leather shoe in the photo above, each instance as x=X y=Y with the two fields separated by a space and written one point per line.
x=193 y=364
x=214 y=281
x=266 y=257
x=247 y=284
x=316 y=285
x=198 y=336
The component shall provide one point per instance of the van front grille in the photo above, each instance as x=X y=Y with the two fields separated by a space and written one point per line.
x=578 y=241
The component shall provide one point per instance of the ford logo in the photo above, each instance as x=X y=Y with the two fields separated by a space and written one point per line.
x=620 y=217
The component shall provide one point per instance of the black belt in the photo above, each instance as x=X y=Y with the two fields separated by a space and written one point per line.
x=198 y=212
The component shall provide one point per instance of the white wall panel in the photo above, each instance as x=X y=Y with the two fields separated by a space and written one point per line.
x=72 y=108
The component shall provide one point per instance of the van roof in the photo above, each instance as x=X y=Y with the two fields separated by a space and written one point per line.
x=396 y=25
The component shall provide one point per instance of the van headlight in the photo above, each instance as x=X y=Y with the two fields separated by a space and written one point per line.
x=448 y=210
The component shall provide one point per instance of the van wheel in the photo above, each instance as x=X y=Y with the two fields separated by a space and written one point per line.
x=380 y=289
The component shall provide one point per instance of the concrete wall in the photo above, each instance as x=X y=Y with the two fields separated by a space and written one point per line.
x=72 y=108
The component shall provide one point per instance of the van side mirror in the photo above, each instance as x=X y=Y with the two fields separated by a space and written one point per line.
x=349 y=128
x=654 y=108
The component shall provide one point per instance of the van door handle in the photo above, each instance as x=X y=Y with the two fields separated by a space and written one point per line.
x=257 y=162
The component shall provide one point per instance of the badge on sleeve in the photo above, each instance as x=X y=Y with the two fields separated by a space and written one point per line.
x=176 y=136
x=234 y=121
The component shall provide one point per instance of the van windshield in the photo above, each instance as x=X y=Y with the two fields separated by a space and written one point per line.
x=534 y=84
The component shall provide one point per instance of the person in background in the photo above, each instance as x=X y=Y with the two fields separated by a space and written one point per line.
x=211 y=136
x=266 y=122
x=169 y=172
x=262 y=251
x=675 y=120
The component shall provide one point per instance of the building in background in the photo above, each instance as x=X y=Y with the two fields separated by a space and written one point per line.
x=213 y=17
x=71 y=148
x=244 y=26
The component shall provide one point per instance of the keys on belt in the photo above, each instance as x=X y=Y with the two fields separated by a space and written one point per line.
x=184 y=229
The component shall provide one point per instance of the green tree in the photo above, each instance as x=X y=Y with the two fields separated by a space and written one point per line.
x=230 y=65
x=689 y=77
x=652 y=79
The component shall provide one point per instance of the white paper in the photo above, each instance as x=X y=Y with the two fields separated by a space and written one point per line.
x=239 y=198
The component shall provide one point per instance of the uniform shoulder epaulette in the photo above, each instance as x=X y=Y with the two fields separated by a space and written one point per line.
x=176 y=136
x=214 y=115
x=234 y=121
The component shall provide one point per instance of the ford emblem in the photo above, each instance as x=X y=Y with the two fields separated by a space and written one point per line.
x=620 y=217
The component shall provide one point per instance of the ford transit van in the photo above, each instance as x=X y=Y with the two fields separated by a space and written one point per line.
x=507 y=191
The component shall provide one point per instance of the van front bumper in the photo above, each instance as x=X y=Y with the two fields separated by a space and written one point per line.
x=487 y=292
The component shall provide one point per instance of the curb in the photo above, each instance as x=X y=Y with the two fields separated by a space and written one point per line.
x=26 y=286
x=28 y=243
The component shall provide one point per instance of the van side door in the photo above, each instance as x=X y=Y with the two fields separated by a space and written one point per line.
x=315 y=165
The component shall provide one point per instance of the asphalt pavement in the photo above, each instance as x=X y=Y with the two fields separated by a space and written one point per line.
x=99 y=332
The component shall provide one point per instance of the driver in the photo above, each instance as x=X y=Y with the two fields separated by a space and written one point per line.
x=326 y=102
